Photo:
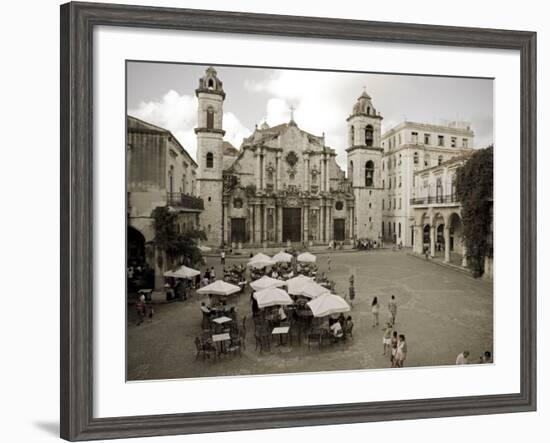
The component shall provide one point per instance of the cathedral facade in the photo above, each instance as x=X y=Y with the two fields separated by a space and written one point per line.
x=281 y=186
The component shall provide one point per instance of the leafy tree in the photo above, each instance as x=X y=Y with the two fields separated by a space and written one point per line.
x=177 y=245
x=474 y=184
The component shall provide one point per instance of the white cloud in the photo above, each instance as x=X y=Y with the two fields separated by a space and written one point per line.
x=317 y=99
x=178 y=114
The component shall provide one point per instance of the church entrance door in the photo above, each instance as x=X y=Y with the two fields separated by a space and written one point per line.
x=339 y=229
x=292 y=224
x=238 y=230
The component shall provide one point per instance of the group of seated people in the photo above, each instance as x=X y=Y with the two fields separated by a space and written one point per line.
x=234 y=274
x=340 y=327
x=366 y=244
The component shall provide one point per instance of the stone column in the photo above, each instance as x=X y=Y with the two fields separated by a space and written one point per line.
x=278 y=171
x=258 y=169
x=305 y=230
x=432 y=241
x=280 y=223
x=418 y=239
x=327 y=176
x=257 y=224
x=264 y=222
x=306 y=172
x=447 y=237
x=329 y=222
x=322 y=184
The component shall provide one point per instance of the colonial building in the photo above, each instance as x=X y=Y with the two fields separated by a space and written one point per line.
x=409 y=148
x=282 y=185
x=437 y=211
x=160 y=172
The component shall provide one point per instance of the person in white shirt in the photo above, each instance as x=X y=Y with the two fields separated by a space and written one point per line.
x=462 y=358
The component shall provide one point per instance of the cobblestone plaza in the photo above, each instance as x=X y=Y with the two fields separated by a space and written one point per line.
x=442 y=312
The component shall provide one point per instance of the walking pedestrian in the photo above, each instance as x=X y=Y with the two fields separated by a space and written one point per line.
x=375 y=309
x=401 y=354
x=393 y=353
x=329 y=261
x=392 y=307
x=386 y=339
x=222 y=257
x=140 y=309
x=462 y=358
x=486 y=358
x=351 y=294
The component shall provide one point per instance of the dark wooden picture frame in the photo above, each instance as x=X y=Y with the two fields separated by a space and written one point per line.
x=77 y=23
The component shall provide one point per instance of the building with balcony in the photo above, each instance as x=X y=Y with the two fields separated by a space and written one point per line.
x=160 y=172
x=437 y=212
x=408 y=148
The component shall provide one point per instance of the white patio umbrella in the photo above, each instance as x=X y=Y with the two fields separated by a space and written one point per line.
x=219 y=287
x=313 y=290
x=182 y=272
x=282 y=257
x=294 y=285
x=307 y=257
x=260 y=261
x=266 y=282
x=272 y=297
x=328 y=304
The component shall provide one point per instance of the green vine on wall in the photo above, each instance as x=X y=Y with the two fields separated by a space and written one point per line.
x=474 y=184
x=178 y=246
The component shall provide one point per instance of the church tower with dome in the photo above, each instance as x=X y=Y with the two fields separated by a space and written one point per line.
x=364 y=159
x=210 y=149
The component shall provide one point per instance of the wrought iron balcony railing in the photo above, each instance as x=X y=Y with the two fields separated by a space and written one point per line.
x=186 y=201
x=434 y=199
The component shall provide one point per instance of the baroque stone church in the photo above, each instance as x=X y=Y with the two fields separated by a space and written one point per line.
x=283 y=184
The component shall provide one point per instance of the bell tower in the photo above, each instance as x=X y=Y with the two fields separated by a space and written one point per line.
x=210 y=134
x=364 y=167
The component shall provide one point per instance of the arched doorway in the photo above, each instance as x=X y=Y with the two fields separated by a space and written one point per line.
x=136 y=247
x=426 y=237
x=140 y=274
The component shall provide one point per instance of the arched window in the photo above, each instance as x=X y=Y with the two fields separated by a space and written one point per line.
x=439 y=160
x=351 y=172
x=368 y=110
x=209 y=160
x=369 y=174
x=415 y=158
x=210 y=118
x=210 y=84
x=352 y=135
x=369 y=131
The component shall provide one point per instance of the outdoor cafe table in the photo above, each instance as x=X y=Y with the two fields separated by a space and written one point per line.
x=221 y=320
x=280 y=331
x=221 y=338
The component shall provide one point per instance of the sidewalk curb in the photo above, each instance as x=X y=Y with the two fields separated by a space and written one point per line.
x=460 y=269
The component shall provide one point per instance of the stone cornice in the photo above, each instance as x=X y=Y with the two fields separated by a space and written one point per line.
x=363 y=114
x=428 y=128
x=209 y=91
x=364 y=148
x=211 y=130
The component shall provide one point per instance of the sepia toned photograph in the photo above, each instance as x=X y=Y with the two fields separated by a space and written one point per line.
x=294 y=221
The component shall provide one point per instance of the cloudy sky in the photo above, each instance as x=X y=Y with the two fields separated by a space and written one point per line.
x=164 y=94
